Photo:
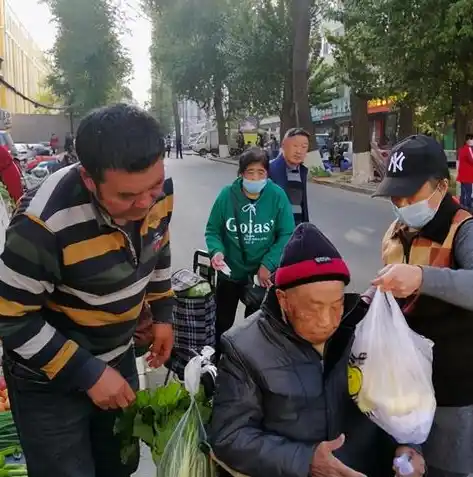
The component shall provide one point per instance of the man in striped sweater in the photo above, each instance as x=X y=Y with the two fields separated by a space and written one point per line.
x=82 y=255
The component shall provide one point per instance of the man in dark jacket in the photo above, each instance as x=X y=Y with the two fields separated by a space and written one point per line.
x=282 y=407
x=289 y=172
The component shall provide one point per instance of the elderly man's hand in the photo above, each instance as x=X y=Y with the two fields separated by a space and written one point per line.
x=417 y=461
x=401 y=280
x=325 y=464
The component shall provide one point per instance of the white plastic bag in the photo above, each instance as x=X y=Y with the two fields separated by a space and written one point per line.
x=182 y=456
x=390 y=372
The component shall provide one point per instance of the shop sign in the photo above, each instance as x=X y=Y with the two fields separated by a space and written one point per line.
x=379 y=105
x=337 y=108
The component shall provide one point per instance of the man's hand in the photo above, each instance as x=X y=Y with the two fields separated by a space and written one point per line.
x=111 y=391
x=163 y=341
x=325 y=464
x=401 y=280
x=264 y=277
x=417 y=461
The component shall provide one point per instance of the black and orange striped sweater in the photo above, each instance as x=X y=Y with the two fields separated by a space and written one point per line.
x=72 y=285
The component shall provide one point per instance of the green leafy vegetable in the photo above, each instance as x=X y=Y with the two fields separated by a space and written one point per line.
x=154 y=416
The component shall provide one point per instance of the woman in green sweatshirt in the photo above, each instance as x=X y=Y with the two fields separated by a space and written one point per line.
x=255 y=212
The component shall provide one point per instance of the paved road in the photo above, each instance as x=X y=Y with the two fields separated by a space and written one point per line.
x=354 y=222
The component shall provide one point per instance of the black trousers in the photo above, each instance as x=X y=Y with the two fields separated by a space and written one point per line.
x=465 y=195
x=62 y=433
x=227 y=296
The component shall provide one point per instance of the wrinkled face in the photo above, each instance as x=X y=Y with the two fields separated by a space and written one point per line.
x=433 y=193
x=128 y=196
x=295 y=149
x=314 y=310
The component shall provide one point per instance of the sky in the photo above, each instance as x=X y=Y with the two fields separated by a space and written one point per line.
x=36 y=18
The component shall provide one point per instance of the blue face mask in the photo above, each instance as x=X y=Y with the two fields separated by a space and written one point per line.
x=416 y=215
x=254 y=187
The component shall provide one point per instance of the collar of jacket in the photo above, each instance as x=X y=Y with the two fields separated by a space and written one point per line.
x=439 y=227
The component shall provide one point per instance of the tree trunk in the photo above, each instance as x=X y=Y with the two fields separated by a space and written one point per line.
x=177 y=119
x=287 y=119
x=406 y=121
x=220 y=118
x=300 y=62
x=362 y=166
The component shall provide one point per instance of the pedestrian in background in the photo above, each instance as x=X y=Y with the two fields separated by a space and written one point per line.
x=249 y=225
x=428 y=257
x=274 y=147
x=289 y=172
x=260 y=140
x=465 y=172
x=179 y=147
x=168 y=145
x=69 y=143
x=54 y=143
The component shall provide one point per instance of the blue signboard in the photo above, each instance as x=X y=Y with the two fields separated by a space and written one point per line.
x=338 y=108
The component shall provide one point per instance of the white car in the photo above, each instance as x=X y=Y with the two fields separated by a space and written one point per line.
x=23 y=152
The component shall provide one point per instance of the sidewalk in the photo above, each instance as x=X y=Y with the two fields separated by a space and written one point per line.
x=342 y=180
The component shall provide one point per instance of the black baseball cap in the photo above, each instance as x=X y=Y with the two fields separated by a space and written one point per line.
x=412 y=162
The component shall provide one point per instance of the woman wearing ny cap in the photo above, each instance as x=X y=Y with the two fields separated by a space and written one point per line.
x=428 y=257
x=282 y=406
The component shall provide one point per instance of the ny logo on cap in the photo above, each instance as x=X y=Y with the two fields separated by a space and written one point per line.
x=396 y=162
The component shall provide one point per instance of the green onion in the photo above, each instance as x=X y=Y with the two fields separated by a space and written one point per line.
x=182 y=456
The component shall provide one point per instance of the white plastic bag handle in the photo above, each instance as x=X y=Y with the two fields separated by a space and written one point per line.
x=388 y=299
x=197 y=366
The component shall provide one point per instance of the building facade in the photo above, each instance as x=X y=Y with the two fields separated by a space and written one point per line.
x=193 y=119
x=24 y=65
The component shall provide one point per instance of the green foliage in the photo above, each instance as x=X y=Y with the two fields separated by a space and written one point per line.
x=187 y=46
x=257 y=49
x=243 y=49
x=161 y=101
x=317 y=171
x=418 y=49
x=90 y=67
x=322 y=83
x=154 y=417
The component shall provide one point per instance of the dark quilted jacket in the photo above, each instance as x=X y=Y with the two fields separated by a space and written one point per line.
x=276 y=399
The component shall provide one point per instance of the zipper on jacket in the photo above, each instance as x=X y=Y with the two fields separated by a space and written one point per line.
x=130 y=249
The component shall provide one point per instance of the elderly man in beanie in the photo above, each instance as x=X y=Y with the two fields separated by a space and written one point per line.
x=282 y=407
x=428 y=257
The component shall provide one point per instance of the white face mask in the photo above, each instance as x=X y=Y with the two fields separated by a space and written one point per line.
x=470 y=142
x=416 y=215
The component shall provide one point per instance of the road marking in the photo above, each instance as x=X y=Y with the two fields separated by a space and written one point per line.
x=356 y=237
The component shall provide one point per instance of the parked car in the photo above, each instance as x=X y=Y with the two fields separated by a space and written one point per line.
x=37 y=160
x=51 y=166
x=41 y=150
x=23 y=152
